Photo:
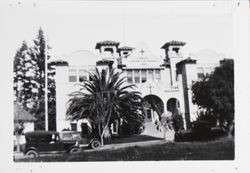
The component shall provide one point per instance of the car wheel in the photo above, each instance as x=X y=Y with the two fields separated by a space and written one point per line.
x=74 y=150
x=32 y=153
x=95 y=144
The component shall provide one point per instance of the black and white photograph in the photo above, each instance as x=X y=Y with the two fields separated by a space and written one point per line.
x=124 y=82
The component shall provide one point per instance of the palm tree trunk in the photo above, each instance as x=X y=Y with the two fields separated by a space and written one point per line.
x=164 y=133
x=102 y=143
x=105 y=128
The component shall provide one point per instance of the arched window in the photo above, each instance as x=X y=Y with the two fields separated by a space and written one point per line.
x=173 y=105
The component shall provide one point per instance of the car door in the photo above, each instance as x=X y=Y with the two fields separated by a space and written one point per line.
x=55 y=145
x=43 y=143
x=50 y=144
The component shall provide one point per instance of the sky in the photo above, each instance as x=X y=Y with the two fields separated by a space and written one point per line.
x=77 y=25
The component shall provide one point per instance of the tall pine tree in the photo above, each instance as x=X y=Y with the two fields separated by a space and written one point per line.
x=29 y=81
x=38 y=58
x=23 y=79
x=37 y=55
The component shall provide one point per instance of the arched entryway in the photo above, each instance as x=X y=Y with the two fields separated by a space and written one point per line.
x=173 y=105
x=153 y=107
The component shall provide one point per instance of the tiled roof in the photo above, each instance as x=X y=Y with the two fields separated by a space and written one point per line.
x=126 y=48
x=185 y=61
x=104 y=61
x=22 y=115
x=59 y=63
x=173 y=43
x=106 y=42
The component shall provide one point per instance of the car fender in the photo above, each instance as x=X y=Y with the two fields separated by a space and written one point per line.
x=74 y=146
x=93 y=140
x=31 y=148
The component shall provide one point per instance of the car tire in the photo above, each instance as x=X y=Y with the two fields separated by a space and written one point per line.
x=32 y=153
x=95 y=144
x=74 y=150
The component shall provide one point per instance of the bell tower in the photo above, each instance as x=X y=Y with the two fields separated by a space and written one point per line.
x=108 y=53
x=173 y=53
x=108 y=49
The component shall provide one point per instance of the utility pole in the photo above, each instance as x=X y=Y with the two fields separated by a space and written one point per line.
x=46 y=83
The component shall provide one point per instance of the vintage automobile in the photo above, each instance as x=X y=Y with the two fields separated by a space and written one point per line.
x=83 y=140
x=39 y=142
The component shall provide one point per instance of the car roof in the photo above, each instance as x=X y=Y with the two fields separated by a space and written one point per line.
x=35 y=133
x=70 y=132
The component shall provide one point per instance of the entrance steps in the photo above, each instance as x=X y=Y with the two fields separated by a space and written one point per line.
x=151 y=130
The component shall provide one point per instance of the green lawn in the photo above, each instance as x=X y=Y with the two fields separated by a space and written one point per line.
x=221 y=149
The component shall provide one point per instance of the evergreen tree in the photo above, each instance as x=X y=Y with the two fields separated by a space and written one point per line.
x=51 y=96
x=23 y=84
x=38 y=58
x=29 y=81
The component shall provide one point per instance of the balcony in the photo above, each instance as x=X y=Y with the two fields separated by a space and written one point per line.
x=171 y=89
x=154 y=87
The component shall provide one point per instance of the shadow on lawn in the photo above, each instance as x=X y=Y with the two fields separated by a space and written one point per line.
x=220 y=149
x=129 y=139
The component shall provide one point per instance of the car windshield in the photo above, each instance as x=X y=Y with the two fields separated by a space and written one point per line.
x=66 y=136
x=70 y=136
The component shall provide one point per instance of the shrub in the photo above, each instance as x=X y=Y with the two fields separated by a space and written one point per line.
x=177 y=122
x=131 y=128
x=208 y=117
x=200 y=131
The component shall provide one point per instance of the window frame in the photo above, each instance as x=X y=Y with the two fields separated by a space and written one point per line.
x=143 y=78
x=129 y=78
x=72 y=75
x=136 y=76
x=156 y=78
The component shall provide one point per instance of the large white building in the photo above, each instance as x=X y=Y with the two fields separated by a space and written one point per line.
x=165 y=80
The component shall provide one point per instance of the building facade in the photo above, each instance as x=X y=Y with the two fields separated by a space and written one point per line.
x=165 y=81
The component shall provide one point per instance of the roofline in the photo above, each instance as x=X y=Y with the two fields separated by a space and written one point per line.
x=41 y=132
x=126 y=48
x=173 y=43
x=104 y=61
x=99 y=44
x=60 y=63
x=187 y=61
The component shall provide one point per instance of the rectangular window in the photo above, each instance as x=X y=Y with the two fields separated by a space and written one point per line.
x=83 y=74
x=72 y=74
x=149 y=114
x=151 y=75
x=200 y=71
x=137 y=76
x=73 y=126
x=158 y=75
x=143 y=76
x=129 y=76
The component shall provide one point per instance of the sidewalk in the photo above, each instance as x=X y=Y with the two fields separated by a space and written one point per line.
x=18 y=155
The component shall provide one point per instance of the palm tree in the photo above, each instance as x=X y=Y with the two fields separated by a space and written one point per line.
x=104 y=99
